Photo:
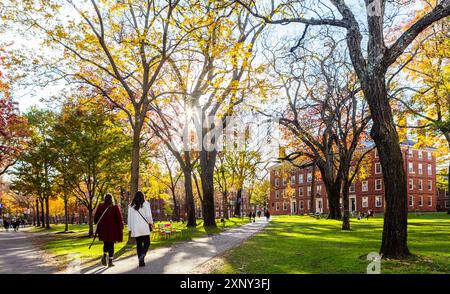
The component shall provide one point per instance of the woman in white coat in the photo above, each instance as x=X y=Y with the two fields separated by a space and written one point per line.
x=139 y=222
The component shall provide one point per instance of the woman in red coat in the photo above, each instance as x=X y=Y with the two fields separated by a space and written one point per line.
x=108 y=219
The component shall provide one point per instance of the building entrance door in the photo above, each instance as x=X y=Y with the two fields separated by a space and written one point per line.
x=293 y=207
x=352 y=204
x=319 y=205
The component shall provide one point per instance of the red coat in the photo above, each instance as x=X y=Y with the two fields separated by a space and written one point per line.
x=110 y=228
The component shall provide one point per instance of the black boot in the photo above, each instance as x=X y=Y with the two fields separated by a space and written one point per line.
x=110 y=264
x=104 y=259
x=141 y=260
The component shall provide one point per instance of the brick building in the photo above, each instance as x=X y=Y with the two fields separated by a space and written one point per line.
x=443 y=200
x=368 y=194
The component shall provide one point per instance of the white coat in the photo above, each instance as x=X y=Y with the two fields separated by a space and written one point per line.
x=136 y=223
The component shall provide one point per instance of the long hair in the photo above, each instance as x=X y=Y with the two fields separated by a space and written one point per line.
x=108 y=200
x=138 y=200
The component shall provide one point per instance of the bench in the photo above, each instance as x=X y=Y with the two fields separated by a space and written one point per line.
x=166 y=231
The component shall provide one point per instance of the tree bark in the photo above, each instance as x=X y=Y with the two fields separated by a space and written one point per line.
x=207 y=163
x=345 y=200
x=66 y=214
x=237 y=208
x=176 y=212
x=313 y=184
x=38 y=221
x=189 y=199
x=42 y=213
x=90 y=221
x=225 y=204
x=47 y=213
x=385 y=136
x=135 y=158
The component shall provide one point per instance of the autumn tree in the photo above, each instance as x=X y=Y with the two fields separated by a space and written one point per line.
x=371 y=66
x=91 y=152
x=117 y=48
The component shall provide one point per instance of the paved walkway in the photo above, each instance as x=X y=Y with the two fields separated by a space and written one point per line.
x=183 y=257
x=18 y=255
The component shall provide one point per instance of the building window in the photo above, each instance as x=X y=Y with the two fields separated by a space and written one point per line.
x=302 y=205
x=284 y=194
x=447 y=203
x=421 y=201
x=378 y=201
x=419 y=154
x=276 y=182
x=411 y=184
x=429 y=155
x=300 y=178
x=376 y=153
x=278 y=206
x=410 y=152
x=410 y=167
x=420 y=185
x=284 y=182
x=377 y=168
x=308 y=191
x=429 y=170
x=273 y=204
x=293 y=180
x=284 y=206
x=300 y=191
x=365 y=186
x=420 y=168
x=309 y=204
x=352 y=187
x=277 y=194
x=430 y=185
x=378 y=184
x=411 y=200
x=365 y=202
x=309 y=178
x=430 y=200
x=319 y=189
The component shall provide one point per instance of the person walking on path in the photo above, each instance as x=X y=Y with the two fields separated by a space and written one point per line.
x=108 y=219
x=139 y=224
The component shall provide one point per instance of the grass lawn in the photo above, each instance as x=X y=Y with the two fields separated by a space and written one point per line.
x=302 y=244
x=62 y=245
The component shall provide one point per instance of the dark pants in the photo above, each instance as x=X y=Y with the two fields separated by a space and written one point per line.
x=108 y=247
x=142 y=245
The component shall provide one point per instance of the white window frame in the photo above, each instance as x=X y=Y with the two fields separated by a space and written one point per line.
x=411 y=184
x=293 y=180
x=302 y=205
x=410 y=152
x=429 y=155
x=285 y=207
x=429 y=170
x=300 y=192
x=308 y=204
x=319 y=189
x=308 y=191
x=365 y=202
x=410 y=167
x=284 y=182
x=300 y=178
x=378 y=170
x=376 y=201
x=376 y=153
x=376 y=184
x=411 y=201
x=420 y=168
x=420 y=185
x=420 y=200
x=309 y=177
x=277 y=194
x=277 y=206
x=277 y=182
x=366 y=185
x=430 y=201
x=352 y=187
x=419 y=154
x=430 y=185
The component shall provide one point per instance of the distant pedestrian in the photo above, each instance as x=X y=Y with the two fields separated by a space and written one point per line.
x=254 y=216
x=250 y=216
x=140 y=222
x=6 y=224
x=259 y=213
x=108 y=219
x=267 y=215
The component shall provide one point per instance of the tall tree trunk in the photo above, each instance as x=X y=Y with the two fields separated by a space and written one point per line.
x=66 y=213
x=189 y=200
x=385 y=136
x=333 y=186
x=207 y=162
x=345 y=200
x=225 y=204
x=313 y=183
x=91 y=221
x=38 y=221
x=47 y=213
x=42 y=213
x=135 y=158
x=237 y=208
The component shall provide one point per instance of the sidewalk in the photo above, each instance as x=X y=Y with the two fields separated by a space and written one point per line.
x=18 y=255
x=183 y=257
